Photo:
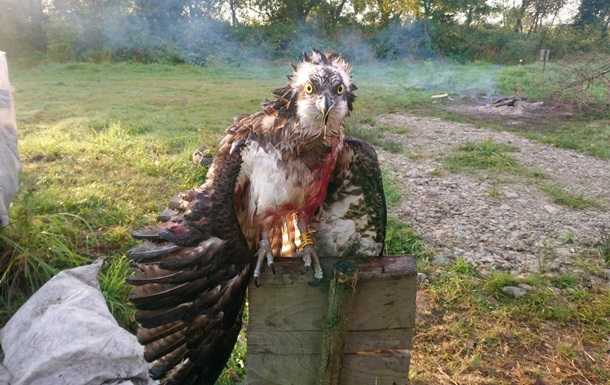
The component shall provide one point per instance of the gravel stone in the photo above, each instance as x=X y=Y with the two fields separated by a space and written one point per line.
x=525 y=287
x=514 y=291
x=422 y=279
x=519 y=231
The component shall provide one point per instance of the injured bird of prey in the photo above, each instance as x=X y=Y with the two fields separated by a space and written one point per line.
x=280 y=175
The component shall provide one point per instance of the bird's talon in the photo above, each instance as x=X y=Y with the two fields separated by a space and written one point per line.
x=264 y=252
x=307 y=259
x=318 y=274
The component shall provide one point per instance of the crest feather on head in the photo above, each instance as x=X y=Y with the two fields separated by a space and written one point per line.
x=327 y=58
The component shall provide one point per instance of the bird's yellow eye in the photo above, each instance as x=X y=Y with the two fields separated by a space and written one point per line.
x=340 y=89
x=308 y=88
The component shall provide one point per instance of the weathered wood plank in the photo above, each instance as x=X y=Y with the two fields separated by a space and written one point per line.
x=288 y=342
x=275 y=369
x=372 y=340
x=384 y=304
x=288 y=315
x=381 y=369
x=294 y=306
x=342 y=290
x=284 y=342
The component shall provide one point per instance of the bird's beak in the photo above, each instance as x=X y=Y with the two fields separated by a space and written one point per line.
x=325 y=106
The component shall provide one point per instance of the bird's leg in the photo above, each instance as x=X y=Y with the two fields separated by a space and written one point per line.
x=310 y=256
x=264 y=251
x=307 y=251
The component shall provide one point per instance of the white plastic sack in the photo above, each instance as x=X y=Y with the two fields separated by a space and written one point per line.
x=65 y=335
x=5 y=376
x=9 y=157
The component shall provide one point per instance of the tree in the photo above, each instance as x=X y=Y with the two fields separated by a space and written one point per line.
x=474 y=10
x=540 y=9
x=22 y=26
x=286 y=10
x=595 y=13
x=382 y=12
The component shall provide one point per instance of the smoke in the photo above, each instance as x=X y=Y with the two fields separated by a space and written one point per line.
x=400 y=56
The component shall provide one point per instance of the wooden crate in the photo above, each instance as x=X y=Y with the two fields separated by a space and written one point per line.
x=288 y=325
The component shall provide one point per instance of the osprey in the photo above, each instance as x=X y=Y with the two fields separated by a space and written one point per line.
x=285 y=182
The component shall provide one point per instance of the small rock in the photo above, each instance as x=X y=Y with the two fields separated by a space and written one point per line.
x=440 y=259
x=551 y=209
x=563 y=252
x=514 y=291
x=422 y=279
x=555 y=290
x=413 y=173
x=526 y=287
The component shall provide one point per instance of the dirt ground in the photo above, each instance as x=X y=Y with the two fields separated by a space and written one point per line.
x=496 y=221
x=465 y=335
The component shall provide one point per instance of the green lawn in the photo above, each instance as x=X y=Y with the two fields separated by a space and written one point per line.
x=104 y=146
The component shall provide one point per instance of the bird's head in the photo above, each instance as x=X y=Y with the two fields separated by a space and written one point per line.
x=320 y=92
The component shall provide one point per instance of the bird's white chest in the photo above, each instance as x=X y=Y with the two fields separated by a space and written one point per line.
x=273 y=184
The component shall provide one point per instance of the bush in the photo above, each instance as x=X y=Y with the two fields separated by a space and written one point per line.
x=498 y=45
x=204 y=40
x=61 y=42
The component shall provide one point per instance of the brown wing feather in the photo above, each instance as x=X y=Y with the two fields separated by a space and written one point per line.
x=193 y=270
x=191 y=277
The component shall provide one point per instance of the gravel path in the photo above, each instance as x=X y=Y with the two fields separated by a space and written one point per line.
x=508 y=224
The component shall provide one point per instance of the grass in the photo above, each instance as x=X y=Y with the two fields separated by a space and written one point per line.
x=470 y=332
x=408 y=86
x=604 y=245
x=400 y=238
x=551 y=84
x=485 y=155
x=104 y=146
x=39 y=244
x=588 y=137
x=375 y=136
x=103 y=149
x=112 y=282
x=391 y=190
x=562 y=197
x=587 y=131
x=495 y=159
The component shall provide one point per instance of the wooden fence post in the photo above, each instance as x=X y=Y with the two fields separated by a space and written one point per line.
x=341 y=294
x=303 y=334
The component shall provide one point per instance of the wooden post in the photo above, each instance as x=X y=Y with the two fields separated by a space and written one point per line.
x=544 y=58
x=340 y=298
x=304 y=334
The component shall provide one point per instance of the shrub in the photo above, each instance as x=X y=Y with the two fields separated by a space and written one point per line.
x=61 y=42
